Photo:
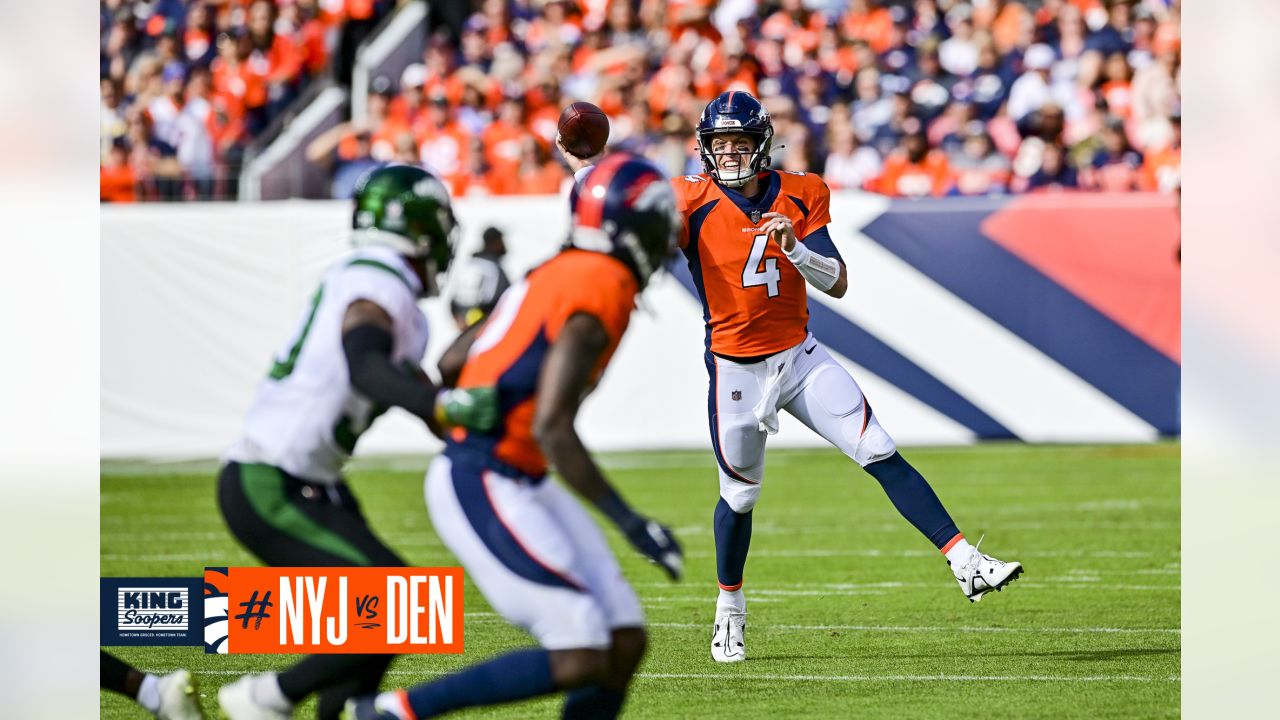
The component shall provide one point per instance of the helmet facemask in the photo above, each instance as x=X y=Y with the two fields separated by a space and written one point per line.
x=757 y=160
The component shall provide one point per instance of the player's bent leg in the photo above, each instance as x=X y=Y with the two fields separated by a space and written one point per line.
x=598 y=567
x=605 y=699
x=288 y=522
x=832 y=404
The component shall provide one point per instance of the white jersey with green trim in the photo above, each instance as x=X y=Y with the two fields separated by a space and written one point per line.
x=306 y=416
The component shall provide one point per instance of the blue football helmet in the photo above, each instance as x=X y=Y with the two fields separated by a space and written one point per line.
x=625 y=207
x=735 y=112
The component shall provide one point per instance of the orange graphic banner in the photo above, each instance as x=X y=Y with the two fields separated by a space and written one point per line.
x=333 y=610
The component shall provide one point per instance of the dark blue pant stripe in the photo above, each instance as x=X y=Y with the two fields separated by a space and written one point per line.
x=468 y=484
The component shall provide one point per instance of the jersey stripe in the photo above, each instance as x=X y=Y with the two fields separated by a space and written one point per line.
x=263 y=486
x=370 y=262
x=695 y=263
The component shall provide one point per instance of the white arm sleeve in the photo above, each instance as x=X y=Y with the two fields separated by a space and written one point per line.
x=821 y=272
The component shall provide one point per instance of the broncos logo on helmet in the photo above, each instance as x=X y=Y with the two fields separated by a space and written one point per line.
x=735 y=112
x=625 y=207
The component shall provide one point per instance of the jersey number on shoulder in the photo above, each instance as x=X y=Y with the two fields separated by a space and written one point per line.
x=283 y=367
x=753 y=275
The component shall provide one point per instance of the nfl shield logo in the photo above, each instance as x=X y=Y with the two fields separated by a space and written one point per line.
x=736 y=394
x=755 y=216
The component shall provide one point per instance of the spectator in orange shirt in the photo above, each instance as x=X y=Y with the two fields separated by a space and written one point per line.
x=866 y=20
x=409 y=107
x=275 y=56
x=199 y=34
x=504 y=137
x=476 y=177
x=309 y=34
x=235 y=79
x=554 y=26
x=537 y=174
x=443 y=142
x=795 y=25
x=913 y=170
x=1115 y=87
x=116 y=180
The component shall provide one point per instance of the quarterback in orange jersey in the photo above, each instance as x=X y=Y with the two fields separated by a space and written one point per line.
x=531 y=548
x=754 y=238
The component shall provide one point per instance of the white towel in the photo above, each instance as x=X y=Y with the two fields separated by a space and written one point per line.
x=766 y=410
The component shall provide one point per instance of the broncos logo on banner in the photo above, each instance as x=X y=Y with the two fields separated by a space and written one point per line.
x=216 y=617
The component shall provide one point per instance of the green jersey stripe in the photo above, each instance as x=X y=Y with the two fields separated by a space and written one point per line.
x=264 y=487
x=370 y=262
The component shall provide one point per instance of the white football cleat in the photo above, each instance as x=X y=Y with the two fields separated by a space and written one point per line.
x=981 y=574
x=178 y=699
x=727 y=644
x=237 y=703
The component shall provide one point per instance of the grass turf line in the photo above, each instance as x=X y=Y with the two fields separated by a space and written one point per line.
x=852 y=613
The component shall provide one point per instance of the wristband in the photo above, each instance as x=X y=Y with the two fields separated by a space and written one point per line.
x=821 y=272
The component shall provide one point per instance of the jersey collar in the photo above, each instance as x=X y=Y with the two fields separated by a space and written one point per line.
x=753 y=211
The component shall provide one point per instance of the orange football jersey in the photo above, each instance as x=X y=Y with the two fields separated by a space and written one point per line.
x=509 y=351
x=754 y=300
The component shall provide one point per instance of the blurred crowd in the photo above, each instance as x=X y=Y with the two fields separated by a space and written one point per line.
x=908 y=98
x=187 y=84
x=903 y=97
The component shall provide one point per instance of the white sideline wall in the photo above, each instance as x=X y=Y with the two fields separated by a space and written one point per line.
x=196 y=298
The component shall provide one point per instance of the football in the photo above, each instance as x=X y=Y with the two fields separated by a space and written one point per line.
x=583 y=129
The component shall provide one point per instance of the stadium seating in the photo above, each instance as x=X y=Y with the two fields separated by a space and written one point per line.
x=908 y=98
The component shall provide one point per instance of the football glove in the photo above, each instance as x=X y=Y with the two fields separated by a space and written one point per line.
x=471 y=408
x=656 y=542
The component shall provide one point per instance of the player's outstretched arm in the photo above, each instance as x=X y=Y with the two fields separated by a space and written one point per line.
x=563 y=382
x=455 y=357
x=575 y=163
x=367 y=341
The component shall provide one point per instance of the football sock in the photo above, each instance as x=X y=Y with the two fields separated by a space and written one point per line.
x=731 y=601
x=267 y=691
x=149 y=693
x=593 y=702
x=316 y=672
x=118 y=676
x=733 y=539
x=957 y=550
x=514 y=676
x=910 y=493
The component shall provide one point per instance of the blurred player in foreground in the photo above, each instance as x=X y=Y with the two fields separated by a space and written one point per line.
x=530 y=547
x=168 y=697
x=356 y=352
x=753 y=237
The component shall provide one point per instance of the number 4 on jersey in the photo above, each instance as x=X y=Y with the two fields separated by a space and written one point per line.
x=752 y=275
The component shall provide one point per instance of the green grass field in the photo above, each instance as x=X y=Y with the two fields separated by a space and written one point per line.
x=852 y=613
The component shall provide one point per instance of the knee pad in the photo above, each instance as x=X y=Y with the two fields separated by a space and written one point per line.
x=741 y=497
x=742 y=444
x=875 y=444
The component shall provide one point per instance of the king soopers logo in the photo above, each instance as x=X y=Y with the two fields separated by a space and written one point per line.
x=152 y=610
